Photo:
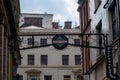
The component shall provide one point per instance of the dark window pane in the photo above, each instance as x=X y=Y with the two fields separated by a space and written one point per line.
x=30 y=41
x=99 y=38
x=20 y=77
x=48 y=77
x=67 y=77
x=65 y=59
x=115 y=20
x=43 y=59
x=30 y=59
x=77 y=60
x=19 y=62
x=43 y=41
x=77 y=41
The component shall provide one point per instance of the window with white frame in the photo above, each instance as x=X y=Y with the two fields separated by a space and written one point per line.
x=44 y=59
x=30 y=59
x=43 y=41
x=20 y=77
x=30 y=41
x=47 y=77
x=77 y=60
x=67 y=77
x=65 y=59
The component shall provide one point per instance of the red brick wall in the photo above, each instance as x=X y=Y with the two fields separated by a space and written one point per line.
x=68 y=25
x=55 y=25
x=85 y=28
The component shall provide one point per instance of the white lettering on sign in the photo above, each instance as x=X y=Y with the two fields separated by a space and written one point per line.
x=60 y=42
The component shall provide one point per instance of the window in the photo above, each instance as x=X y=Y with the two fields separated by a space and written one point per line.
x=30 y=41
x=77 y=41
x=79 y=77
x=43 y=59
x=67 y=77
x=48 y=77
x=19 y=62
x=43 y=41
x=77 y=60
x=30 y=59
x=33 y=77
x=65 y=59
x=20 y=77
x=117 y=70
x=115 y=19
x=97 y=4
x=99 y=37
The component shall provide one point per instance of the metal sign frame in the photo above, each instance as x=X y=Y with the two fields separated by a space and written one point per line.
x=108 y=53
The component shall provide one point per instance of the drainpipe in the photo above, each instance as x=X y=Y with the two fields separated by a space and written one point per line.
x=6 y=52
x=2 y=50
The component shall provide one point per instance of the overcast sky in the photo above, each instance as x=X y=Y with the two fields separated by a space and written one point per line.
x=63 y=10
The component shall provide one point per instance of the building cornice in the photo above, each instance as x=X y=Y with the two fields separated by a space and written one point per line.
x=36 y=14
x=44 y=66
x=48 y=31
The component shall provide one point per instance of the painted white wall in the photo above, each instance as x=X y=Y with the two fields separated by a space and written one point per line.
x=57 y=73
x=101 y=14
x=54 y=67
x=54 y=55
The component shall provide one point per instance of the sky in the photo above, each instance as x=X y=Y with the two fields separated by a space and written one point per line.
x=62 y=10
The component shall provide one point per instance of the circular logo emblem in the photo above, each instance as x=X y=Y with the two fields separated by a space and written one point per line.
x=60 y=41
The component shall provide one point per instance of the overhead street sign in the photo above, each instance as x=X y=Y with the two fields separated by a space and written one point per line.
x=60 y=41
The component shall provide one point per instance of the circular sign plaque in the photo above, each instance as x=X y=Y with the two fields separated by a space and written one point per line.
x=60 y=41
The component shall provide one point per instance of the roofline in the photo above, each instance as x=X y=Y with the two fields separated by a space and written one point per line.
x=35 y=14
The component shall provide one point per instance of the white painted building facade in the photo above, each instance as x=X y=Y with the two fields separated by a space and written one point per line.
x=54 y=66
x=102 y=17
x=49 y=63
x=99 y=73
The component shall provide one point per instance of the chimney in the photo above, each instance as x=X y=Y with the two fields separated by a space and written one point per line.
x=68 y=25
x=55 y=25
